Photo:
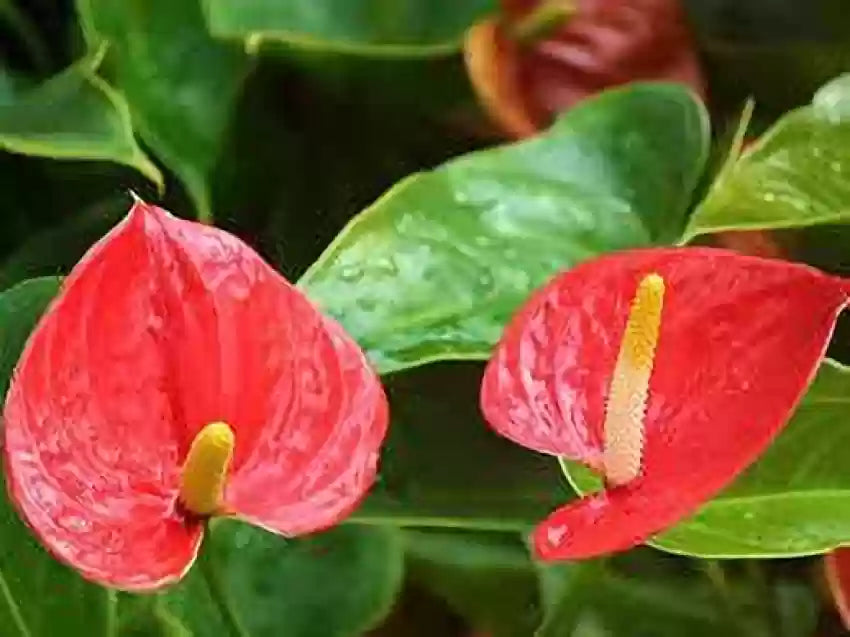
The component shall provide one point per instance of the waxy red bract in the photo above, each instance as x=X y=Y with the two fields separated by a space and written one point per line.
x=163 y=327
x=603 y=44
x=739 y=342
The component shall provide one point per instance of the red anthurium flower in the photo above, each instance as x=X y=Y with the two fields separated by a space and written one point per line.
x=525 y=74
x=837 y=570
x=178 y=376
x=667 y=371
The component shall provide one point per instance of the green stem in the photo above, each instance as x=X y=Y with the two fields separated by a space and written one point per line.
x=542 y=20
x=212 y=574
x=110 y=614
x=14 y=609
x=26 y=31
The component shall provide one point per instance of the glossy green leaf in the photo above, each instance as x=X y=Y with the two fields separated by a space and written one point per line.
x=366 y=27
x=37 y=593
x=795 y=500
x=73 y=115
x=180 y=83
x=338 y=583
x=798 y=174
x=487 y=578
x=442 y=466
x=434 y=269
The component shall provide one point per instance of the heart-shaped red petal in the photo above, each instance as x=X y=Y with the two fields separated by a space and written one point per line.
x=164 y=327
x=740 y=339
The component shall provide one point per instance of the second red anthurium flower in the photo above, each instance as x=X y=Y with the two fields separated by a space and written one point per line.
x=667 y=371
x=175 y=377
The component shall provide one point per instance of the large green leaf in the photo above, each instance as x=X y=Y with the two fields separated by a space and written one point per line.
x=443 y=467
x=367 y=27
x=434 y=269
x=181 y=84
x=73 y=115
x=37 y=594
x=797 y=175
x=335 y=584
x=338 y=583
x=795 y=500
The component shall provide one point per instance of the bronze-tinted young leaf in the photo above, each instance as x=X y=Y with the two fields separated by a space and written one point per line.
x=541 y=57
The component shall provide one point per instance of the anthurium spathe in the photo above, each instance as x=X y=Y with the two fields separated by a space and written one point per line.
x=667 y=371
x=177 y=376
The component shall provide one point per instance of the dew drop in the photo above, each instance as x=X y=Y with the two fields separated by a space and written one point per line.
x=74 y=523
x=386 y=266
x=351 y=273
